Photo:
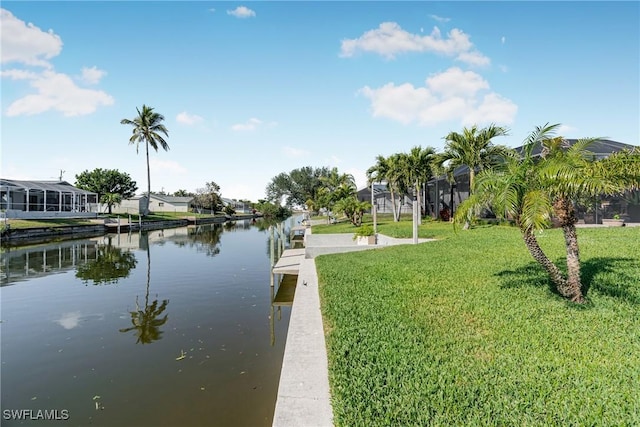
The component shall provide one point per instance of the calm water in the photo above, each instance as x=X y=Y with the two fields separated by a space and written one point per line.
x=165 y=328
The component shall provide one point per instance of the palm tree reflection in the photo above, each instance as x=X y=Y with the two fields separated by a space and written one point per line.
x=146 y=322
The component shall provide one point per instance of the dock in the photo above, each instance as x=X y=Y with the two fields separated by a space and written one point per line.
x=289 y=262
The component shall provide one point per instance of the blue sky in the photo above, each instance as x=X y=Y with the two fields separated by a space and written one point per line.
x=252 y=89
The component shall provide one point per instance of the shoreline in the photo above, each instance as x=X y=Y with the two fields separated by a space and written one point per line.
x=22 y=236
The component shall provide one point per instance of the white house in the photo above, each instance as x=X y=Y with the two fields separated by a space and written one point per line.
x=157 y=203
x=45 y=199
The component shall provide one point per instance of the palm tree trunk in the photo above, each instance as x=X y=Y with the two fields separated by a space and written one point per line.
x=574 y=284
x=566 y=214
x=536 y=252
x=472 y=174
x=146 y=210
x=393 y=205
x=419 y=200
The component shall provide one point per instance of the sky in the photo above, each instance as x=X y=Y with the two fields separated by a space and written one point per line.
x=252 y=89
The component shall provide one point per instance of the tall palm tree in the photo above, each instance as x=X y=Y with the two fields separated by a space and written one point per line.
x=532 y=191
x=473 y=148
x=148 y=128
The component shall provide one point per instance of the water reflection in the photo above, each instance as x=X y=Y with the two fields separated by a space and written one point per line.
x=27 y=262
x=147 y=322
x=110 y=263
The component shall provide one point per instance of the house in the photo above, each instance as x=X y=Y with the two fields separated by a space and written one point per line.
x=45 y=199
x=237 y=205
x=442 y=194
x=157 y=203
x=382 y=198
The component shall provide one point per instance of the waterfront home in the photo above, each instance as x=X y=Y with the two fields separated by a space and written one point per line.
x=157 y=203
x=45 y=199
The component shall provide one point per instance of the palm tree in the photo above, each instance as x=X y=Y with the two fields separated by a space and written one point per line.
x=147 y=128
x=473 y=148
x=532 y=191
x=418 y=169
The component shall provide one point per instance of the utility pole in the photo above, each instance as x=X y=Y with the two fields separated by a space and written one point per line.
x=61 y=173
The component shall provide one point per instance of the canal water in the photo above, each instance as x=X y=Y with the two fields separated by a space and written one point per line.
x=174 y=327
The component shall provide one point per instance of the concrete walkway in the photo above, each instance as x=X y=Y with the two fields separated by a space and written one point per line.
x=303 y=393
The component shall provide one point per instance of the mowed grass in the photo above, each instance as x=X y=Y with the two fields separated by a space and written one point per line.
x=466 y=331
x=386 y=226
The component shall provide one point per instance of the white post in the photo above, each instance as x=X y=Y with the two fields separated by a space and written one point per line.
x=27 y=203
x=44 y=201
x=60 y=201
x=415 y=217
x=374 y=212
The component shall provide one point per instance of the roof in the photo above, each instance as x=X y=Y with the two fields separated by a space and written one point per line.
x=600 y=148
x=377 y=188
x=59 y=186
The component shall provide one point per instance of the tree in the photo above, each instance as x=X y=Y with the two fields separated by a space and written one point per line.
x=417 y=168
x=473 y=148
x=297 y=186
x=532 y=191
x=148 y=128
x=183 y=193
x=209 y=197
x=353 y=209
x=111 y=185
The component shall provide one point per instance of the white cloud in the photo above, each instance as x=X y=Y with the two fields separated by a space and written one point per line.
x=389 y=39
x=25 y=43
x=188 y=119
x=564 y=130
x=54 y=91
x=251 y=125
x=493 y=109
x=171 y=166
x=212 y=10
x=451 y=95
x=503 y=68
x=294 y=153
x=92 y=75
x=503 y=39
x=439 y=18
x=241 y=12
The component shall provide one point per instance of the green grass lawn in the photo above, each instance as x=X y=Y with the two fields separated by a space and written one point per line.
x=466 y=331
x=386 y=226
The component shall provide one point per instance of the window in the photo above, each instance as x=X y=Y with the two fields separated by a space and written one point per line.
x=160 y=203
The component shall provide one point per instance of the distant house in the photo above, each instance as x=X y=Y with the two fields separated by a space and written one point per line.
x=45 y=199
x=238 y=206
x=157 y=203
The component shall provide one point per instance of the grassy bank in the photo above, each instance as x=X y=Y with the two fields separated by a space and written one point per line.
x=465 y=331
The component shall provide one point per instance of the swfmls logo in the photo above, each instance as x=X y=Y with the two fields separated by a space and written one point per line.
x=36 y=414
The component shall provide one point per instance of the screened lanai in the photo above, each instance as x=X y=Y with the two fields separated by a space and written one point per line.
x=45 y=199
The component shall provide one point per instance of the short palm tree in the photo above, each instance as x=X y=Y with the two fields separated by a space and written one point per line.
x=473 y=148
x=148 y=128
x=532 y=190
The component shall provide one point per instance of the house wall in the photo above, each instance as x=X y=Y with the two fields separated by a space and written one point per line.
x=161 y=206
